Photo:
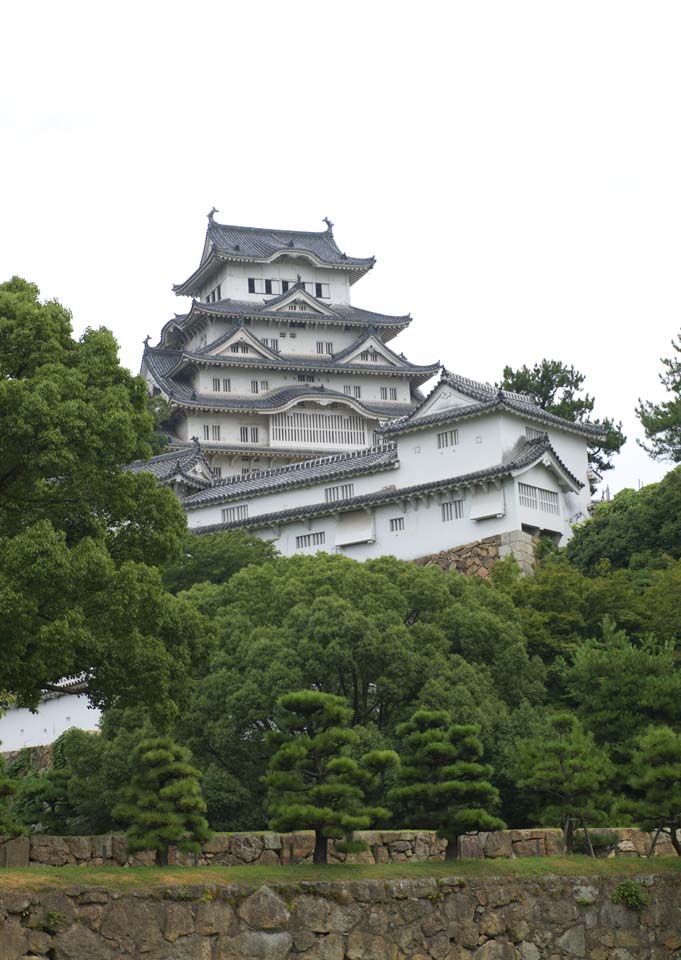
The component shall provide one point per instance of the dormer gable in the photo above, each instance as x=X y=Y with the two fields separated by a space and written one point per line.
x=369 y=349
x=242 y=342
x=297 y=300
x=442 y=399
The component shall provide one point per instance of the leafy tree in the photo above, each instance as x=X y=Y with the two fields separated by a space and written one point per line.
x=79 y=536
x=163 y=804
x=656 y=782
x=313 y=782
x=661 y=422
x=633 y=529
x=8 y=824
x=443 y=784
x=566 y=775
x=386 y=634
x=619 y=687
x=215 y=557
x=557 y=388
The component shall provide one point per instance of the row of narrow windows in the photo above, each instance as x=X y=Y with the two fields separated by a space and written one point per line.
x=246 y=434
x=224 y=385
x=272 y=287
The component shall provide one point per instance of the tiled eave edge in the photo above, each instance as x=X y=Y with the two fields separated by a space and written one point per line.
x=366 y=501
x=228 y=489
x=414 y=423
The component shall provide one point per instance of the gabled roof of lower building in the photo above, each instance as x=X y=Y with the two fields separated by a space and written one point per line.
x=485 y=398
x=227 y=242
x=177 y=465
x=529 y=454
x=301 y=474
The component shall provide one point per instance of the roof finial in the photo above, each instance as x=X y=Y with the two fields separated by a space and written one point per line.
x=195 y=441
x=146 y=341
x=298 y=280
x=329 y=225
x=211 y=221
x=500 y=394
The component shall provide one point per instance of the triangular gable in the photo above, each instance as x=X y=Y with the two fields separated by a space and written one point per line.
x=442 y=398
x=374 y=345
x=548 y=461
x=297 y=297
x=244 y=336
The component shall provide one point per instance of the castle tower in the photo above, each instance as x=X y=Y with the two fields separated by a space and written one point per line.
x=272 y=363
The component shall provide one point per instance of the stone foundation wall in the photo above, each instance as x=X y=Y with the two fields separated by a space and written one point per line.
x=235 y=849
x=556 y=918
x=272 y=849
x=478 y=558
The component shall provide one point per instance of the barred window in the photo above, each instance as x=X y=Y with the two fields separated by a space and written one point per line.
x=217 y=472
x=537 y=498
x=231 y=514
x=452 y=510
x=396 y=524
x=393 y=393
x=206 y=432
x=243 y=434
x=215 y=432
x=384 y=393
x=532 y=433
x=450 y=438
x=310 y=540
x=342 y=492
x=216 y=384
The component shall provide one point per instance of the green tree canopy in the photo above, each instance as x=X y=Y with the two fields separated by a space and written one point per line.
x=566 y=775
x=558 y=388
x=661 y=422
x=313 y=783
x=656 y=782
x=214 y=558
x=80 y=536
x=443 y=784
x=163 y=804
x=634 y=528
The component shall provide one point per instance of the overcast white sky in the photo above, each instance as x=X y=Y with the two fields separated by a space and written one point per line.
x=514 y=166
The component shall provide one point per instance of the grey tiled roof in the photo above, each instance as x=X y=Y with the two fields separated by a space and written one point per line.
x=273 y=400
x=167 y=466
x=487 y=398
x=254 y=309
x=298 y=475
x=531 y=452
x=261 y=243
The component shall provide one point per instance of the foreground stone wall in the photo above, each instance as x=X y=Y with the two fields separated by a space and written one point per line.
x=272 y=849
x=557 y=918
x=262 y=849
x=478 y=558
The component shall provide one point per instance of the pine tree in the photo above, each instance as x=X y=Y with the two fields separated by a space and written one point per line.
x=8 y=825
x=656 y=781
x=661 y=422
x=163 y=804
x=312 y=781
x=566 y=775
x=443 y=784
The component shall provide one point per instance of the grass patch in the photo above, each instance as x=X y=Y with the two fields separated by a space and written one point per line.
x=149 y=878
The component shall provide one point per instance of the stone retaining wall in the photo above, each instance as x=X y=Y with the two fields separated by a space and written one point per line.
x=271 y=849
x=262 y=849
x=556 y=918
x=478 y=558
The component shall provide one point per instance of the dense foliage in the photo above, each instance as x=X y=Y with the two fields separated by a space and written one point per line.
x=163 y=803
x=661 y=422
x=81 y=538
x=442 y=783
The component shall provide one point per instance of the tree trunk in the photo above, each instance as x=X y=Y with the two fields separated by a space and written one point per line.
x=651 y=848
x=587 y=837
x=452 y=849
x=321 y=845
x=162 y=857
x=673 y=836
x=568 y=831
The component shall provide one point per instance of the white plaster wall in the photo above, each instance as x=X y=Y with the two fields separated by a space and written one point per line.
x=233 y=278
x=421 y=460
x=20 y=728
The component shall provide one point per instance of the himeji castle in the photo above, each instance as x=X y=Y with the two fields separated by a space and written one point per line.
x=293 y=417
x=272 y=363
